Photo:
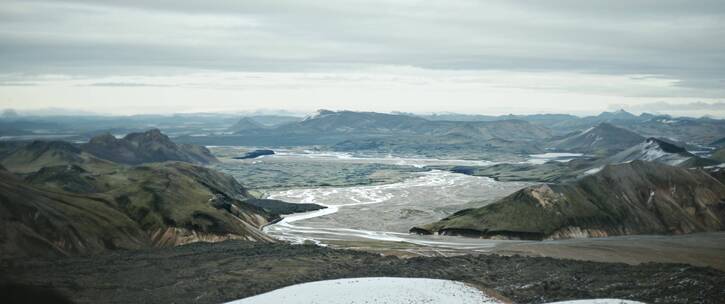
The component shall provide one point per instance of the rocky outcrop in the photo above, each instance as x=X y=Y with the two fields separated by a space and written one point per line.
x=255 y=154
x=631 y=198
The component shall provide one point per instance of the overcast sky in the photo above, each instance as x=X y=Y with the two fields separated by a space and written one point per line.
x=488 y=57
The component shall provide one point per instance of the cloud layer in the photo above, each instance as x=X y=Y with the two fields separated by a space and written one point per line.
x=631 y=50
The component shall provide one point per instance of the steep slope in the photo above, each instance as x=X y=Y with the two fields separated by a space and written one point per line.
x=719 y=155
x=632 y=198
x=39 y=154
x=720 y=143
x=657 y=150
x=39 y=222
x=149 y=146
x=602 y=139
x=165 y=204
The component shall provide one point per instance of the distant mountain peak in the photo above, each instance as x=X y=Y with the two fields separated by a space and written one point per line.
x=618 y=114
x=246 y=124
x=320 y=113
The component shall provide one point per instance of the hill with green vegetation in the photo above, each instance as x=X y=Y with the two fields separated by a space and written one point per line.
x=631 y=198
x=719 y=155
x=58 y=199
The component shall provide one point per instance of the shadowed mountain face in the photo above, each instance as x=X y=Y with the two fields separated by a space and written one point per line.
x=146 y=147
x=38 y=222
x=632 y=198
x=601 y=139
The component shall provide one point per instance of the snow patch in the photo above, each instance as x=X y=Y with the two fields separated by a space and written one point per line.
x=593 y=170
x=538 y=159
x=381 y=290
x=599 y=301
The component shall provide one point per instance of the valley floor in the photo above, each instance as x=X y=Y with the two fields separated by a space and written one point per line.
x=231 y=270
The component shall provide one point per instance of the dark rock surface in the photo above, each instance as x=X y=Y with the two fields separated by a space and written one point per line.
x=277 y=207
x=255 y=154
x=215 y=273
x=146 y=147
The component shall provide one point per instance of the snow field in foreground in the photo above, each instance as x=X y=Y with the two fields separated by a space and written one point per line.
x=374 y=290
x=384 y=290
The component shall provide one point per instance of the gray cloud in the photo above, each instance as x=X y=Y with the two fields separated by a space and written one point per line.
x=467 y=55
x=681 y=40
x=124 y=84
x=667 y=107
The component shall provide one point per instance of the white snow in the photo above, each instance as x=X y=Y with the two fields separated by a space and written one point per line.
x=650 y=151
x=586 y=131
x=599 y=301
x=382 y=290
x=539 y=159
x=593 y=170
x=388 y=290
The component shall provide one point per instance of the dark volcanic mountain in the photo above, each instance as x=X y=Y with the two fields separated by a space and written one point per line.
x=602 y=139
x=146 y=147
x=632 y=198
